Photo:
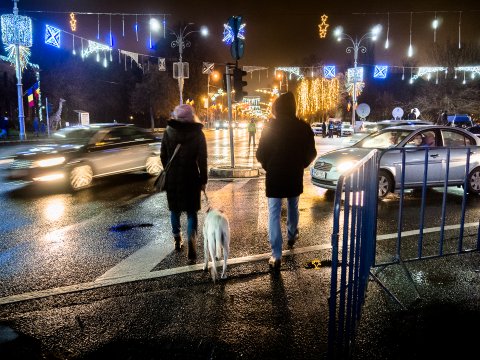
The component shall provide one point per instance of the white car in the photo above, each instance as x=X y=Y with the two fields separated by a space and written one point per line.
x=317 y=128
x=328 y=167
x=347 y=129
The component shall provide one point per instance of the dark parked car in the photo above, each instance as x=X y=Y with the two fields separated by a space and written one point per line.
x=78 y=154
x=475 y=129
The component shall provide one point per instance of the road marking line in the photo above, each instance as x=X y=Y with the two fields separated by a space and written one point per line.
x=122 y=279
x=125 y=278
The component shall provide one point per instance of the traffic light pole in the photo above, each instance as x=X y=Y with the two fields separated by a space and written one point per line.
x=229 y=98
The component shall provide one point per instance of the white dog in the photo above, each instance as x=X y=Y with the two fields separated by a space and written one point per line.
x=216 y=237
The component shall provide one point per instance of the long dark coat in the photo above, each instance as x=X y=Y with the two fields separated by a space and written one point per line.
x=286 y=148
x=188 y=171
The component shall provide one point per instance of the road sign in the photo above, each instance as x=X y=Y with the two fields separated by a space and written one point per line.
x=237 y=49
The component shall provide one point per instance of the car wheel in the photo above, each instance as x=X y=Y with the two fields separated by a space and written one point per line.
x=153 y=166
x=385 y=184
x=81 y=177
x=474 y=181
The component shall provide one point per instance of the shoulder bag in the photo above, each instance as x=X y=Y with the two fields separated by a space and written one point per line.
x=160 y=181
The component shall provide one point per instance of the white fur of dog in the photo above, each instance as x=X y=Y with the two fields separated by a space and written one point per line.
x=216 y=237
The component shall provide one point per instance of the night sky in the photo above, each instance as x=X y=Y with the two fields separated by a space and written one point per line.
x=278 y=33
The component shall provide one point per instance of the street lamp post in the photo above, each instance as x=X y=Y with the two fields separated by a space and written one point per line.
x=181 y=42
x=356 y=46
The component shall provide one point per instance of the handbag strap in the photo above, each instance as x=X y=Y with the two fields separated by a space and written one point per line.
x=173 y=155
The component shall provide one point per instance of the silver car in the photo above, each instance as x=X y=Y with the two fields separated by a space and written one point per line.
x=78 y=154
x=414 y=139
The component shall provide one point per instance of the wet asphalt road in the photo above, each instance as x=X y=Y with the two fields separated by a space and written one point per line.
x=90 y=291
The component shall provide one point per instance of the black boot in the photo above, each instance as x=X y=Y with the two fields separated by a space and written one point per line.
x=192 y=252
x=178 y=242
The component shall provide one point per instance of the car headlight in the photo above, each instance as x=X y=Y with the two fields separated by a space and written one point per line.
x=50 y=162
x=345 y=166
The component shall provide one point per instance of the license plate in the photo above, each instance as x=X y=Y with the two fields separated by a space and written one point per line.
x=319 y=174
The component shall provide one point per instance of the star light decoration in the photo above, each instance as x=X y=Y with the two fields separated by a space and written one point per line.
x=229 y=36
x=322 y=27
x=12 y=55
x=73 y=22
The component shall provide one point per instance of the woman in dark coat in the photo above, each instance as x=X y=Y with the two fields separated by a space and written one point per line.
x=187 y=176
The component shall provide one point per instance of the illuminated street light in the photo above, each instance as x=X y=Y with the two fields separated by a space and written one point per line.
x=154 y=25
x=180 y=69
x=356 y=45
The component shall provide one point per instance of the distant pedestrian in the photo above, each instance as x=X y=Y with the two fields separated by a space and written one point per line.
x=252 y=129
x=36 y=126
x=339 y=129
x=324 y=129
x=412 y=115
x=330 y=129
x=286 y=148
x=5 y=124
x=187 y=176
x=443 y=118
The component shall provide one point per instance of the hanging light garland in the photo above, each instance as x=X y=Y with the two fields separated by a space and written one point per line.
x=322 y=27
x=319 y=94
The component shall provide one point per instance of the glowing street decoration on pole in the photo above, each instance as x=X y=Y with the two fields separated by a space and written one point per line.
x=52 y=36
x=351 y=78
x=229 y=35
x=17 y=33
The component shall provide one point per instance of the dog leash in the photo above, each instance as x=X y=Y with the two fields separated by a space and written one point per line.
x=206 y=199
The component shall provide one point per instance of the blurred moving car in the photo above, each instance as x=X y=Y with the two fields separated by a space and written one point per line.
x=78 y=154
x=317 y=128
x=475 y=129
x=328 y=167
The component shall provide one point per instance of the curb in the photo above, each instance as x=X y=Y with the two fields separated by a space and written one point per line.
x=235 y=172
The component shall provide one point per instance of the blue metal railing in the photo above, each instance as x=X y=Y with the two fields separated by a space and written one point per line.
x=355 y=247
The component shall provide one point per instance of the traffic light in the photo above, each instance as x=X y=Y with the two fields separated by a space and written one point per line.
x=239 y=83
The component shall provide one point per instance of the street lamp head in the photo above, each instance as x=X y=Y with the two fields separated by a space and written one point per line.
x=154 y=24
x=338 y=32
x=204 y=31
x=376 y=31
x=435 y=23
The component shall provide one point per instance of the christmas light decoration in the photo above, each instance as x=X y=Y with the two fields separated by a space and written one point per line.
x=380 y=71
x=329 y=71
x=410 y=48
x=387 y=44
x=229 y=36
x=351 y=73
x=322 y=27
x=427 y=70
x=358 y=88
x=94 y=46
x=291 y=70
x=473 y=69
x=24 y=55
x=16 y=29
x=52 y=36
x=73 y=22
x=315 y=95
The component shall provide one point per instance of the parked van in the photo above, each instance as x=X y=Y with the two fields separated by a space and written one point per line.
x=460 y=120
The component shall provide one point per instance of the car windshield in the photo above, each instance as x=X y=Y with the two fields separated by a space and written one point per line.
x=383 y=140
x=79 y=135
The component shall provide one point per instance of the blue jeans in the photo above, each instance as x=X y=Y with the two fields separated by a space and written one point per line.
x=274 y=227
x=192 y=223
